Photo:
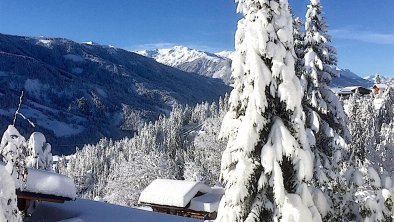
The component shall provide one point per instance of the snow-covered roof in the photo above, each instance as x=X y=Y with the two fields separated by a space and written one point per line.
x=350 y=90
x=346 y=90
x=177 y=193
x=208 y=202
x=46 y=182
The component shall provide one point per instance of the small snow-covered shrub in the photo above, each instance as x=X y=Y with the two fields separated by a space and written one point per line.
x=40 y=155
x=11 y=146
x=12 y=149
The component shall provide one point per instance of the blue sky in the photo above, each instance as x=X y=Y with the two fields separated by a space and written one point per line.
x=362 y=31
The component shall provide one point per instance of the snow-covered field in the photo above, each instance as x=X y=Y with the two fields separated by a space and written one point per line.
x=82 y=210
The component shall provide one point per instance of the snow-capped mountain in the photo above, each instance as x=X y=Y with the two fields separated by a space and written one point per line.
x=383 y=79
x=371 y=78
x=218 y=65
x=191 y=60
x=85 y=91
x=225 y=54
x=348 y=78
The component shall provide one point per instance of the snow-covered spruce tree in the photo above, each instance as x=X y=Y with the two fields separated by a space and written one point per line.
x=362 y=127
x=374 y=196
x=326 y=121
x=202 y=159
x=90 y=166
x=386 y=147
x=386 y=111
x=378 y=79
x=299 y=48
x=267 y=162
x=130 y=178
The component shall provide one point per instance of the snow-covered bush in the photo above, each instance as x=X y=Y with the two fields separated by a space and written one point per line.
x=375 y=196
x=12 y=149
x=40 y=155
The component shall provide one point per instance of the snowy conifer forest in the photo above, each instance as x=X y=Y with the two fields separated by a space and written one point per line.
x=281 y=145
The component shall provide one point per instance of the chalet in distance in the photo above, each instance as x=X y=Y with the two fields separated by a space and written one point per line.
x=182 y=198
x=350 y=90
x=379 y=88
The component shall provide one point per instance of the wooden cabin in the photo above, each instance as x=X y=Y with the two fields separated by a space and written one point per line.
x=24 y=198
x=42 y=185
x=182 y=198
x=346 y=92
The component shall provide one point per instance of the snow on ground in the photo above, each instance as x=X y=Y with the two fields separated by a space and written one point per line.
x=34 y=87
x=74 y=58
x=45 y=42
x=89 y=43
x=91 y=211
x=77 y=70
x=60 y=129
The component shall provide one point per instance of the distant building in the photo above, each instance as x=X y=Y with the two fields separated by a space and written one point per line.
x=350 y=90
x=379 y=88
x=182 y=198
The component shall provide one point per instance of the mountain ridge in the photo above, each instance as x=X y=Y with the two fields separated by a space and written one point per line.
x=192 y=60
x=86 y=91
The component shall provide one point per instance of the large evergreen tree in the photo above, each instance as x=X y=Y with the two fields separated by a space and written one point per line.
x=326 y=121
x=267 y=161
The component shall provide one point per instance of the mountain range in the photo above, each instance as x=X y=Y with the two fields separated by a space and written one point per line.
x=218 y=65
x=86 y=91
x=383 y=79
x=192 y=60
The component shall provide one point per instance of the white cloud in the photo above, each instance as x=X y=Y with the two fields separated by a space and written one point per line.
x=363 y=36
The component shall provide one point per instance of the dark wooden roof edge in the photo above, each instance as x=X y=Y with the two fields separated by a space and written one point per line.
x=43 y=197
x=173 y=207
